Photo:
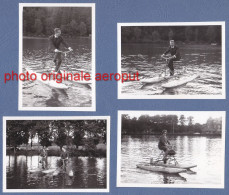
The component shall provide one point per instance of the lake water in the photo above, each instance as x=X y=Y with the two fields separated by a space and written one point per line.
x=145 y=58
x=37 y=58
x=87 y=173
x=205 y=152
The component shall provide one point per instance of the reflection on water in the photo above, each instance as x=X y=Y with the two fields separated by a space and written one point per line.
x=81 y=172
x=145 y=58
x=37 y=58
x=205 y=152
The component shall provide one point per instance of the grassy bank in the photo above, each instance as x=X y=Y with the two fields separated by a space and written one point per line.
x=46 y=37
x=99 y=151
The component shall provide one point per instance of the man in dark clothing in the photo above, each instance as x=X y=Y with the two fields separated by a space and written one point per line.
x=44 y=156
x=56 y=40
x=64 y=157
x=175 y=56
x=164 y=144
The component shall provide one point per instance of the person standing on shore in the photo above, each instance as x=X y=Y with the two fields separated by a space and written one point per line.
x=56 y=40
x=175 y=55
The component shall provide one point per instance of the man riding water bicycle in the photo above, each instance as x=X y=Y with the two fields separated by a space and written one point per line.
x=165 y=145
x=44 y=156
x=175 y=55
x=64 y=157
x=56 y=40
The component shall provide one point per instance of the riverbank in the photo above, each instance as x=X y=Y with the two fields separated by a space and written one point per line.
x=46 y=37
x=176 y=134
x=190 y=45
x=99 y=151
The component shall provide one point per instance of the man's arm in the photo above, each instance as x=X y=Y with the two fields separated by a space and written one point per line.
x=162 y=140
x=177 y=52
x=51 y=45
x=65 y=44
x=168 y=142
x=167 y=51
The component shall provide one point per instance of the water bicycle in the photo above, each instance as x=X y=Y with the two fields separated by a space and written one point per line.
x=172 y=81
x=52 y=82
x=53 y=171
x=44 y=168
x=87 y=82
x=171 y=166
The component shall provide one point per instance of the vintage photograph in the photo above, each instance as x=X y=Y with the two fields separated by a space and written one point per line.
x=57 y=45
x=184 y=149
x=181 y=60
x=56 y=154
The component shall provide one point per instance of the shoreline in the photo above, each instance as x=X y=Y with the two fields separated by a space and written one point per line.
x=100 y=150
x=179 y=44
x=77 y=153
x=44 y=37
x=177 y=134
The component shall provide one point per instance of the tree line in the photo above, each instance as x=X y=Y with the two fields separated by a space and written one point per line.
x=73 y=21
x=68 y=132
x=186 y=34
x=174 y=124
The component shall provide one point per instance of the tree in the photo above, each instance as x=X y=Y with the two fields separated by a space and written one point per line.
x=38 y=26
x=32 y=131
x=59 y=133
x=45 y=139
x=82 y=29
x=155 y=35
x=170 y=34
x=190 y=120
x=77 y=138
x=137 y=33
x=182 y=120
x=16 y=133
x=196 y=33
x=198 y=128
x=188 y=33
x=73 y=25
x=211 y=34
x=42 y=20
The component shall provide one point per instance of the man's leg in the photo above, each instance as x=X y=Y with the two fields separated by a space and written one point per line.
x=170 y=65
x=57 y=60
x=165 y=155
x=43 y=162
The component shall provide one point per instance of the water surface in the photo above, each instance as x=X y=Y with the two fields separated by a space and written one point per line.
x=37 y=57
x=205 y=152
x=145 y=58
x=87 y=173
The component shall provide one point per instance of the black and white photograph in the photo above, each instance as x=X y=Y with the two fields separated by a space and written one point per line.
x=57 y=45
x=56 y=154
x=182 y=149
x=180 y=60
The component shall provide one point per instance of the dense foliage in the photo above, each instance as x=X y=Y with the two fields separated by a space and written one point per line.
x=58 y=132
x=73 y=21
x=146 y=124
x=196 y=34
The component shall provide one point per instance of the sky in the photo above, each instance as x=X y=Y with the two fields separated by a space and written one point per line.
x=199 y=116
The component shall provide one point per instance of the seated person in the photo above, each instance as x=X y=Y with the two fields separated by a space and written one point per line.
x=165 y=145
